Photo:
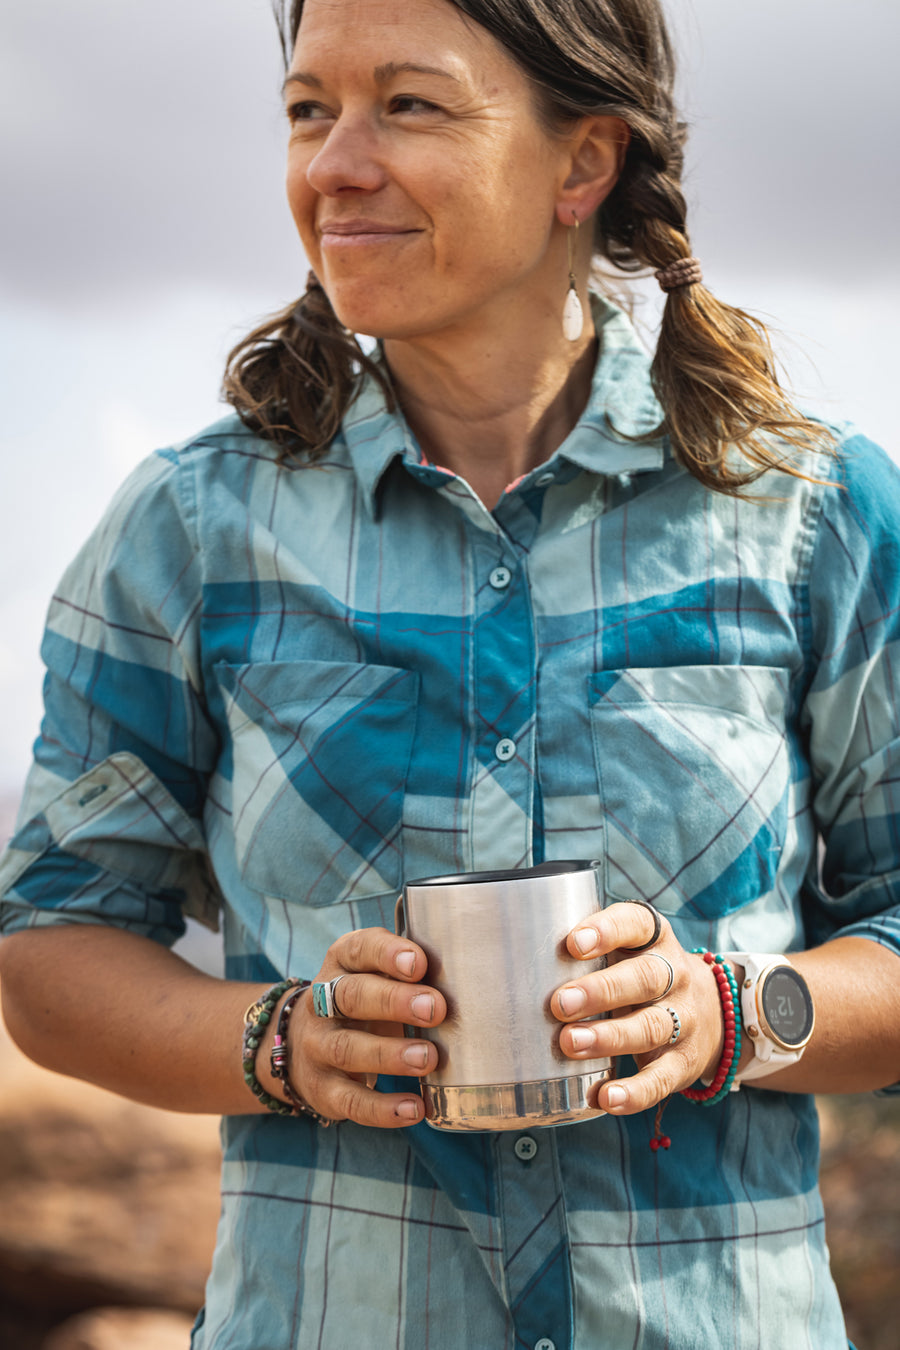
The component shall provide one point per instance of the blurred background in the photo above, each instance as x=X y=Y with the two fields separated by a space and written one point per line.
x=143 y=231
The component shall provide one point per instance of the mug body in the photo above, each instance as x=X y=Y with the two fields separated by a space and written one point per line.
x=496 y=948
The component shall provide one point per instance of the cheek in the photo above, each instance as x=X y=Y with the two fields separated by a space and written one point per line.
x=299 y=193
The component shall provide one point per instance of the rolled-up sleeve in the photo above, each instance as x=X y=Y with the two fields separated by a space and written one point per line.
x=851 y=714
x=110 y=829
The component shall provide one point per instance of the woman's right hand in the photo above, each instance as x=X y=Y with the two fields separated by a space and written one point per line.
x=333 y=1060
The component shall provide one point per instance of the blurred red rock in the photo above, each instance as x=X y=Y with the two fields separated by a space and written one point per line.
x=102 y=1201
x=118 y=1328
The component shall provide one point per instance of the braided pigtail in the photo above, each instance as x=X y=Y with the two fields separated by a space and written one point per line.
x=292 y=379
x=714 y=370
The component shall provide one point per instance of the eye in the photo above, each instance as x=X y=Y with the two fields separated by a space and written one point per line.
x=410 y=103
x=306 y=111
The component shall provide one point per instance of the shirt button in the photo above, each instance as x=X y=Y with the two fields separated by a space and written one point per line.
x=505 y=749
x=525 y=1149
x=500 y=578
x=544 y=1343
x=542 y=480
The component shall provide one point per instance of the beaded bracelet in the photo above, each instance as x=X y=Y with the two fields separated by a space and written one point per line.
x=731 y=1050
x=279 y=1058
x=256 y=1019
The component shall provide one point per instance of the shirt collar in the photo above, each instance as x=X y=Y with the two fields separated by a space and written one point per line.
x=622 y=405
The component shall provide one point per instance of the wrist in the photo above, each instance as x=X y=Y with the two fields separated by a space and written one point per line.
x=724 y=1073
x=273 y=1085
x=260 y=1022
x=746 y=1053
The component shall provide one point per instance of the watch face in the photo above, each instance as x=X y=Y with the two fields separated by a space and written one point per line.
x=787 y=1007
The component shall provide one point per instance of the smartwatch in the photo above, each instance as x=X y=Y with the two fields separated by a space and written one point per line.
x=776 y=1009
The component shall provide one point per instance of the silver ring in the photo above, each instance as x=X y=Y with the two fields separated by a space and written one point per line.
x=669 y=967
x=676 y=1026
x=323 y=1000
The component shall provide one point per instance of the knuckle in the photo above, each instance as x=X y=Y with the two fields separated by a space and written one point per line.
x=615 y=1035
x=312 y=1086
x=346 y=996
x=350 y=1103
x=672 y=1074
x=395 y=1002
x=341 y=1048
x=647 y=973
x=661 y=1024
x=350 y=948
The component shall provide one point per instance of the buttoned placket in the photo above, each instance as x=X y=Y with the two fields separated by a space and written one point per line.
x=503 y=684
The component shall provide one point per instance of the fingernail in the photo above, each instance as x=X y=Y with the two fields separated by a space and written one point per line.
x=582 y=1039
x=585 y=940
x=416 y=1056
x=571 y=1000
x=405 y=962
x=617 y=1096
x=408 y=1110
x=423 y=1007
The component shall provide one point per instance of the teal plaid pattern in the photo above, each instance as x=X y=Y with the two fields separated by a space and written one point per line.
x=273 y=693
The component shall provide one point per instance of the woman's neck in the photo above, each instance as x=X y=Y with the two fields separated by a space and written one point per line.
x=492 y=415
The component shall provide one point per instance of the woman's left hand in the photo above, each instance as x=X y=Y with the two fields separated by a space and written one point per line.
x=632 y=991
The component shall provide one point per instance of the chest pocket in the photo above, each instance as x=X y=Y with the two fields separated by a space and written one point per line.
x=694 y=775
x=320 y=754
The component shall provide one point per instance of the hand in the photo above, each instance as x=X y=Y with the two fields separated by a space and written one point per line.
x=334 y=1060
x=638 y=1025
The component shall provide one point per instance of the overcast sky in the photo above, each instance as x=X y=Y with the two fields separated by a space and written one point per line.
x=143 y=229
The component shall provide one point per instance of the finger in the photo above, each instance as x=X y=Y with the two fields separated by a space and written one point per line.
x=640 y=979
x=670 y=1072
x=372 y=998
x=359 y=1052
x=378 y=950
x=618 y=927
x=342 y=1098
x=636 y=1033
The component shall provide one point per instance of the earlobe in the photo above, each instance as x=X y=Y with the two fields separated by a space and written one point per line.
x=599 y=146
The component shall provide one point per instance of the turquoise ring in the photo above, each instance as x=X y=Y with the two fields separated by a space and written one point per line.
x=323 y=1000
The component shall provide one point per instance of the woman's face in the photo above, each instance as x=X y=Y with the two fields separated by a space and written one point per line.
x=421 y=181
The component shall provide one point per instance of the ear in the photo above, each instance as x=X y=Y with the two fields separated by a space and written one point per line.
x=597 y=152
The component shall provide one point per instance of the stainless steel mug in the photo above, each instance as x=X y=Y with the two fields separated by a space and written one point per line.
x=495 y=943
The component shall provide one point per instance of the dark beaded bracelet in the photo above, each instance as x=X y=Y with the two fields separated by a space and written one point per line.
x=279 y=1059
x=256 y=1019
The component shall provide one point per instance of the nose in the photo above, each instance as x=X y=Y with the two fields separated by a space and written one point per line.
x=348 y=159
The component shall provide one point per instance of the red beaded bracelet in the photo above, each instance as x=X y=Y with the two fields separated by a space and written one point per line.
x=727 y=1068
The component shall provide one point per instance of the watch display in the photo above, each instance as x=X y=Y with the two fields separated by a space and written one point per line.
x=785 y=1004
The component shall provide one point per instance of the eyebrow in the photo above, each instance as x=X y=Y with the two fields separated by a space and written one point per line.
x=382 y=74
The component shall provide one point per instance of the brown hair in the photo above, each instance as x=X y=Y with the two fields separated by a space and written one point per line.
x=293 y=378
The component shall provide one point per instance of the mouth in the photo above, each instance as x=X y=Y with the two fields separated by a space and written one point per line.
x=362 y=231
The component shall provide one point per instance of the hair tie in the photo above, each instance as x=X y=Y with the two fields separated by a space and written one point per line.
x=684 y=272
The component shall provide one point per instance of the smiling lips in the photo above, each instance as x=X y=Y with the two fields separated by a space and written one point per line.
x=342 y=232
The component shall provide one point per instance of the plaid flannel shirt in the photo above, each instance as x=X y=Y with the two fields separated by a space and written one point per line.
x=278 y=691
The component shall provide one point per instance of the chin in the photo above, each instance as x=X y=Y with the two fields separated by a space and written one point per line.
x=374 y=322
x=379 y=310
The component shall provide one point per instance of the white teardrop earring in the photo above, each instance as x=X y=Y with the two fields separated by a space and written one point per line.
x=573 y=314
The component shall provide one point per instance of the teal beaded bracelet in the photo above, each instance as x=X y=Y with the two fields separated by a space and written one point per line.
x=256 y=1019
x=731 y=1051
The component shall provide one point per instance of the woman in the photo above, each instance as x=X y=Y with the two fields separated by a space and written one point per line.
x=503 y=593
